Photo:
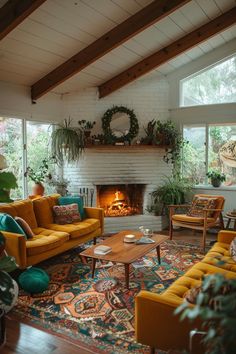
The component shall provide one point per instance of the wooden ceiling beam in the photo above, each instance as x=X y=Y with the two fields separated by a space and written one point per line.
x=14 y=12
x=169 y=52
x=144 y=18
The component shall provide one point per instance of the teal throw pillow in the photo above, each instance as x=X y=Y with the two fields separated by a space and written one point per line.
x=74 y=200
x=7 y=223
x=34 y=280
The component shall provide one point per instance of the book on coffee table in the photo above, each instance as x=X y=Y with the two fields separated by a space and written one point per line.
x=102 y=250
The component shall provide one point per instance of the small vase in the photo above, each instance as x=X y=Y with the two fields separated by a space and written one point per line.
x=38 y=189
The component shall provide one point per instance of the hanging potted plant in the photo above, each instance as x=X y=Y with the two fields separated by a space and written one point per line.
x=67 y=143
x=38 y=177
x=216 y=178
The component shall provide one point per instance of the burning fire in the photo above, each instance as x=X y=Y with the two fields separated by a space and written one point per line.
x=120 y=206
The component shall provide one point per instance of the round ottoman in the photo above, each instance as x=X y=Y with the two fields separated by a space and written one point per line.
x=34 y=280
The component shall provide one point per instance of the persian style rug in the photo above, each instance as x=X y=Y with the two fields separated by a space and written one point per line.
x=99 y=313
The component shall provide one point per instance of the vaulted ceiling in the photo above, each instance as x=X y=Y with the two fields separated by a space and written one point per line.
x=59 y=29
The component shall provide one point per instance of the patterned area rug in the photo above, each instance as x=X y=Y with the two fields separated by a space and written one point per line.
x=99 y=313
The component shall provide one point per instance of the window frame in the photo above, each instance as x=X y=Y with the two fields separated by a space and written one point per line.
x=196 y=73
x=207 y=126
x=24 y=164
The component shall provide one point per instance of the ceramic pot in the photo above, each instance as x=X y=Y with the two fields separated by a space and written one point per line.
x=38 y=189
x=215 y=182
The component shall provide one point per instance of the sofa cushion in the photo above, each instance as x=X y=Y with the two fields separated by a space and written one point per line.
x=219 y=256
x=66 y=214
x=45 y=240
x=71 y=200
x=43 y=211
x=7 y=223
x=25 y=210
x=25 y=227
x=8 y=209
x=232 y=249
x=190 y=219
x=77 y=229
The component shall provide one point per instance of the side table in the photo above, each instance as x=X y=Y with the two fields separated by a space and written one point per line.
x=230 y=217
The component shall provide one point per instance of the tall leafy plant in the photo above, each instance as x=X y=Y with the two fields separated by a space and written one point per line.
x=173 y=191
x=67 y=142
x=7 y=182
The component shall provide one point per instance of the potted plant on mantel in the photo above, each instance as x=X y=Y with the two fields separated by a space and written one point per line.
x=216 y=178
x=67 y=143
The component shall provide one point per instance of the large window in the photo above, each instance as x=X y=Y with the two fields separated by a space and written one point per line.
x=214 y=85
x=24 y=143
x=209 y=147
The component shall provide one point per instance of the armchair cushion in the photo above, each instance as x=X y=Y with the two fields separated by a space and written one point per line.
x=200 y=203
x=190 y=219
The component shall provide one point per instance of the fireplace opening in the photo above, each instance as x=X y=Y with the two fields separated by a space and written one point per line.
x=121 y=199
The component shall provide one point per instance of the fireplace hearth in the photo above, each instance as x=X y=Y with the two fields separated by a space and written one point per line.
x=121 y=199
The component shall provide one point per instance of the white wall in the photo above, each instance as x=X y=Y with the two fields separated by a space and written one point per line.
x=210 y=114
x=148 y=97
x=15 y=101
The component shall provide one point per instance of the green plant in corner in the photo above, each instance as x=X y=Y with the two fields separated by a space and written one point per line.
x=216 y=307
x=216 y=178
x=7 y=182
x=67 y=143
x=173 y=191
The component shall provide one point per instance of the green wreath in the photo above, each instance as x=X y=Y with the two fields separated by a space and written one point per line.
x=110 y=138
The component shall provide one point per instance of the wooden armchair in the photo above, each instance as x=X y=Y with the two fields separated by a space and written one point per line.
x=201 y=222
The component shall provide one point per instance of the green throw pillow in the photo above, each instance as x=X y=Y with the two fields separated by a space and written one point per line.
x=7 y=223
x=34 y=280
x=74 y=200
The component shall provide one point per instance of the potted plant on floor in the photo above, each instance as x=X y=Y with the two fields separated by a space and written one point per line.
x=216 y=178
x=8 y=287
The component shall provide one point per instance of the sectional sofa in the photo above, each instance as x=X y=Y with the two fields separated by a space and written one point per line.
x=156 y=324
x=50 y=239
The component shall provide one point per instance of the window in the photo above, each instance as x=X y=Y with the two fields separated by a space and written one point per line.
x=214 y=85
x=14 y=135
x=209 y=147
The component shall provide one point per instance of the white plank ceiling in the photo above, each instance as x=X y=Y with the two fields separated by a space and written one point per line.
x=59 y=29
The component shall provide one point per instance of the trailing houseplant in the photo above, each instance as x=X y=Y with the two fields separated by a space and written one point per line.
x=216 y=178
x=67 y=143
x=216 y=307
x=8 y=286
x=173 y=191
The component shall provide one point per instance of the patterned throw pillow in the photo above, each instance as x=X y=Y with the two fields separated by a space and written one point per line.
x=233 y=249
x=192 y=294
x=66 y=214
x=25 y=226
x=200 y=203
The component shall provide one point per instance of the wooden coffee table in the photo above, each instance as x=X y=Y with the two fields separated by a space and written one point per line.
x=123 y=252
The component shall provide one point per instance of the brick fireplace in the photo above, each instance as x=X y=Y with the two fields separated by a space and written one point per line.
x=133 y=171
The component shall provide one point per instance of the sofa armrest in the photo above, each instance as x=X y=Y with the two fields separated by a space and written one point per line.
x=155 y=322
x=96 y=213
x=16 y=247
x=226 y=236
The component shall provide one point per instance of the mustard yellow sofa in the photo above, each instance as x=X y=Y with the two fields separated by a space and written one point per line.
x=155 y=322
x=50 y=238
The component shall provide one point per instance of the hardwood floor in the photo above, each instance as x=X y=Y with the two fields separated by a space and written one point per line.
x=24 y=339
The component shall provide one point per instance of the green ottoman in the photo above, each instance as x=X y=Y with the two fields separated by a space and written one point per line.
x=34 y=280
